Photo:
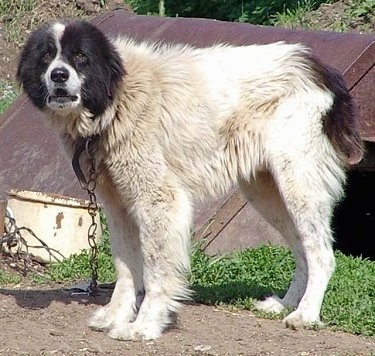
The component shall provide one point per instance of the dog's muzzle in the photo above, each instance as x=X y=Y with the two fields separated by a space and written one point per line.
x=61 y=96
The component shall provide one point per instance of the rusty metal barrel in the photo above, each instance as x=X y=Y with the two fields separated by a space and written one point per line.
x=31 y=159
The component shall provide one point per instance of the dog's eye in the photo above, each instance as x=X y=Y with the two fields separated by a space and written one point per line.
x=46 y=57
x=80 y=57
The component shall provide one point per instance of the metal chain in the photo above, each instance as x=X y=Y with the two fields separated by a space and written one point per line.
x=15 y=246
x=92 y=209
x=83 y=145
x=91 y=233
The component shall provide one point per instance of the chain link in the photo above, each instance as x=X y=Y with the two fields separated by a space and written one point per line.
x=83 y=145
x=92 y=209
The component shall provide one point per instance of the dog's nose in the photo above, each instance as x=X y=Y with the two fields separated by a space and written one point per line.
x=59 y=75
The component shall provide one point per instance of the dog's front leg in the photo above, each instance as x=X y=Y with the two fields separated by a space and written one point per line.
x=127 y=258
x=164 y=219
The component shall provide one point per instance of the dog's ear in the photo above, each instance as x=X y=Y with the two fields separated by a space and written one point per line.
x=30 y=67
x=105 y=75
x=116 y=71
x=104 y=68
x=109 y=62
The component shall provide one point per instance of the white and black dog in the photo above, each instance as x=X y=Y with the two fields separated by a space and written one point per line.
x=172 y=124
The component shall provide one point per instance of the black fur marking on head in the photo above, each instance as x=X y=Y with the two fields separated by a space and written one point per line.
x=37 y=53
x=93 y=56
x=340 y=123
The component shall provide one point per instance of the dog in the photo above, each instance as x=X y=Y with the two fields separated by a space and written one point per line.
x=173 y=124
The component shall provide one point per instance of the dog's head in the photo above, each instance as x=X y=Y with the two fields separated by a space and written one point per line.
x=70 y=66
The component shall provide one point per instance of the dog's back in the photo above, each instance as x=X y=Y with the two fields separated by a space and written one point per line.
x=220 y=109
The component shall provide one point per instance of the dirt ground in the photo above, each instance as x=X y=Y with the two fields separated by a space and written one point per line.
x=52 y=322
x=48 y=321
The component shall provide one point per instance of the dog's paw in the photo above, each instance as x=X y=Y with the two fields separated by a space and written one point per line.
x=270 y=305
x=136 y=331
x=100 y=320
x=298 y=320
x=107 y=317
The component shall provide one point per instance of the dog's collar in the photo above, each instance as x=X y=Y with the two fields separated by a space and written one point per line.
x=83 y=144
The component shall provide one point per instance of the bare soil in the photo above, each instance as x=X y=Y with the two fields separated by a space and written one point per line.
x=334 y=17
x=47 y=320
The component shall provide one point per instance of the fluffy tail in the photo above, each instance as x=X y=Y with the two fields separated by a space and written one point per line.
x=340 y=122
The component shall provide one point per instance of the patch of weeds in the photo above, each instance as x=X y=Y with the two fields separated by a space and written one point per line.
x=339 y=16
x=361 y=13
x=8 y=278
x=8 y=93
x=77 y=266
x=12 y=13
x=356 y=14
x=12 y=6
x=294 y=17
x=240 y=278
x=349 y=301
x=20 y=17
x=361 y=8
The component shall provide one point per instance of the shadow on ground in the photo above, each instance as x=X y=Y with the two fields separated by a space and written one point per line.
x=40 y=298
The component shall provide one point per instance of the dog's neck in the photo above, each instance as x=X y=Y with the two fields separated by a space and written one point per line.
x=80 y=123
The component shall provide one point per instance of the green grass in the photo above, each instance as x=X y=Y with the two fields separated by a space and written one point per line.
x=12 y=13
x=357 y=11
x=350 y=300
x=77 y=266
x=9 y=278
x=237 y=279
x=295 y=17
x=8 y=93
x=240 y=278
x=12 y=6
x=354 y=13
x=20 y=17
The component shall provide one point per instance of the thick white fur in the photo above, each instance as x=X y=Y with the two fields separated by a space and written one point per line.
x=187 y=123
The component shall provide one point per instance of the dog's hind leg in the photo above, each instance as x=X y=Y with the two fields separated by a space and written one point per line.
x=127 y=258
x=310 y=184
x=262 y=192
x=164 y=218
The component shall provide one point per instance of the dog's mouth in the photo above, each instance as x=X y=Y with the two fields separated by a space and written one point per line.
x=62 y=96
x=61 y=99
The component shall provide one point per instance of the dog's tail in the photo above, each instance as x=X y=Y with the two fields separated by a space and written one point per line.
x=340 y=122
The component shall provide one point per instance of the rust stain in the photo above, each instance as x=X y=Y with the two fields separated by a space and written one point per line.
x=59 y=218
